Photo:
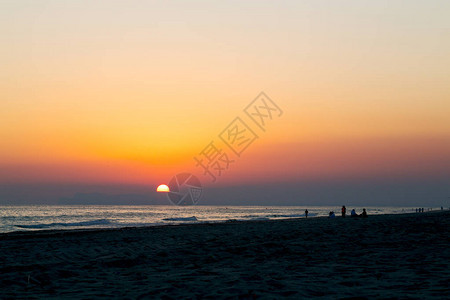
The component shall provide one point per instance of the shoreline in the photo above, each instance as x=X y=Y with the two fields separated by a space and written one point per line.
x=78 y=230
x=393 y=255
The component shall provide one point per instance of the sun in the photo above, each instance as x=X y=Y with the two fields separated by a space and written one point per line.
x=163 y=188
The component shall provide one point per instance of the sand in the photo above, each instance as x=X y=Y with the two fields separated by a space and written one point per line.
x=378 y=257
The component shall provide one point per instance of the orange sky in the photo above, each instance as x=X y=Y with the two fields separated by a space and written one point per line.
x=131 y=93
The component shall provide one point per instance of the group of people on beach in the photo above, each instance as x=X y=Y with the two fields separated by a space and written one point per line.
x=344 y=211
x=353 y=213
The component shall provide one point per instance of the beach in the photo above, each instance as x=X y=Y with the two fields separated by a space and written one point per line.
x=401 y=256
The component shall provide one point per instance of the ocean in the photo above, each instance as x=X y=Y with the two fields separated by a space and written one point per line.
x=46 y=217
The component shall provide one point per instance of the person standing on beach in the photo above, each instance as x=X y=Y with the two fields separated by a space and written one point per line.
x=306 y=213
x=344 y=210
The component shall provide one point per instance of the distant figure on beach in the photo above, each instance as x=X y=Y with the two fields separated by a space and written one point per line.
x=442 y=208
x=364 y=213
x=416 y=209
x=306 y=213
x=331 y=214
x=353 y=213
x=344 y=210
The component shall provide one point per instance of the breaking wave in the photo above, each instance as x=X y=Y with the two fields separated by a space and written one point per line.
x=193 y=218
x=74 y=224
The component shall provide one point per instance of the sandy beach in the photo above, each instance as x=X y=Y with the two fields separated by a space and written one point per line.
x=406 y=256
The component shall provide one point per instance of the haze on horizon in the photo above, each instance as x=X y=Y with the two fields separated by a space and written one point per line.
x=117 y=97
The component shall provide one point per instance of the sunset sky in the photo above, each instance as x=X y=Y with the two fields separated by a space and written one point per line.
x=129 y=92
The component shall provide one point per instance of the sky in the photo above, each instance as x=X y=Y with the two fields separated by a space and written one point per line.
x=120 y=96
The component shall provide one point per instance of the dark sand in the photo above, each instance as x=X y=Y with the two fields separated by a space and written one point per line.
x=406 y=256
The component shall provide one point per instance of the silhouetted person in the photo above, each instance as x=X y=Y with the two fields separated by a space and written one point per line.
x=364 y=213
x=331 y=214
x=344 y=210
x=353 y=213
x=306 y=213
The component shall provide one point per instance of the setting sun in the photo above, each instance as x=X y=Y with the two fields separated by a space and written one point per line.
x=163 y=188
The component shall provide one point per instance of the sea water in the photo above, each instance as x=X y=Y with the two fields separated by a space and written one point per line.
x=42 y=217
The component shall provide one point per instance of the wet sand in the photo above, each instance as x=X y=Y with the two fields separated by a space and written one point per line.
x=378 y=257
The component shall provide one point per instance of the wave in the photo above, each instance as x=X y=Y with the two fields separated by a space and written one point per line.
x=193 y=218
x=74 y=224
x=279 y=216
x=260 y=219
x=108 y=223
x=294 y=215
